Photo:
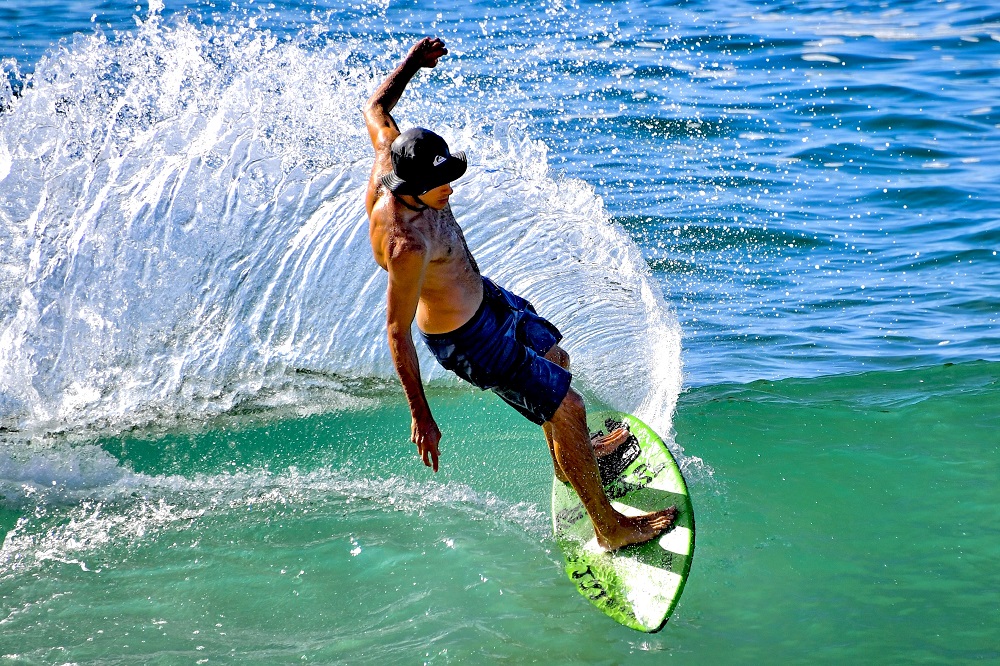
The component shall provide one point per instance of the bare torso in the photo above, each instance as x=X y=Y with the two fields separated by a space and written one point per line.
x=451 y=289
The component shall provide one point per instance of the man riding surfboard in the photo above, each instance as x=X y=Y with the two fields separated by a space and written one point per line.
x=483 y=333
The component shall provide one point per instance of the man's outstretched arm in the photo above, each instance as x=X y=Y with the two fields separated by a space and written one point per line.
x=382 y=129
x=407 y=263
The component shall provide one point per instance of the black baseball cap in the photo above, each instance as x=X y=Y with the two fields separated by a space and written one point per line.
x=421 y=161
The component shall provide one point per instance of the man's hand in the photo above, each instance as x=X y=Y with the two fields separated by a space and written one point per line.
x=426 y=52
x=425 y=434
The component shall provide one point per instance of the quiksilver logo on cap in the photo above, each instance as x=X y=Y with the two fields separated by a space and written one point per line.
x=439 y=160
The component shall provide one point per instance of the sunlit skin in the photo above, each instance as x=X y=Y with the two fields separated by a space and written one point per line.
x=435 y=281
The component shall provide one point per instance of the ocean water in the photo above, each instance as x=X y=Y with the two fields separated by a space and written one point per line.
x=769 y=231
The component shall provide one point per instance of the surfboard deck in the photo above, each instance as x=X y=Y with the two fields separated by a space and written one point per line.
x=638 y=586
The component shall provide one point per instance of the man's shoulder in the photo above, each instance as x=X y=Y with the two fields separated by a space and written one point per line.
x=384 y=205
x=404 y=233
x=379 y=199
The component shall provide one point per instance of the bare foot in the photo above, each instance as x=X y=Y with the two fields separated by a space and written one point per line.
x=637 y=529
x=604 y=445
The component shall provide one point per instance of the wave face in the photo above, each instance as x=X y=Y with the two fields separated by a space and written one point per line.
x=185 y=233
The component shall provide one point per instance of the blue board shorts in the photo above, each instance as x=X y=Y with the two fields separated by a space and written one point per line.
x=501 y=349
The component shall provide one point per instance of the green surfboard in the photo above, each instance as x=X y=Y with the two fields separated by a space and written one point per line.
x=638 y=586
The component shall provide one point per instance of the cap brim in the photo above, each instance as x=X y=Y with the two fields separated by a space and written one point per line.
x=456 y=164
x=394 y=183
x=448 y=171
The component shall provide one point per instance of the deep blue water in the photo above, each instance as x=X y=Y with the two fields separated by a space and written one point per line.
x=769 y=230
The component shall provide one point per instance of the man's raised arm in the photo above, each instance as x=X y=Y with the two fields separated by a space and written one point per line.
x=382 y=129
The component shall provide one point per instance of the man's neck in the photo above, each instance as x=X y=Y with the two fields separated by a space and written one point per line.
x=418 y=208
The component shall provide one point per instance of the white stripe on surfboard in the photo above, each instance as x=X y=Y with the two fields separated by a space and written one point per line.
x=648 y=589
x=667 y=482
x=677 y=540
x=627 y=510
x=649 y=601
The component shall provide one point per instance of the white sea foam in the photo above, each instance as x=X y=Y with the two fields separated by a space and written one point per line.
x=185 y=231
x=78 y=501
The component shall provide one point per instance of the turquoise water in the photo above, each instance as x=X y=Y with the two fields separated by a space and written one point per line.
x=789 y=210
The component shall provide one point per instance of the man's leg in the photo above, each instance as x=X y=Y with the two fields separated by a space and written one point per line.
x=560 y=357
x=603 y=445
x=574 y=455
x=575 y=458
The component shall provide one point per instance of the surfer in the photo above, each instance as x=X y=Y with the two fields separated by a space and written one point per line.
x=482 y=332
